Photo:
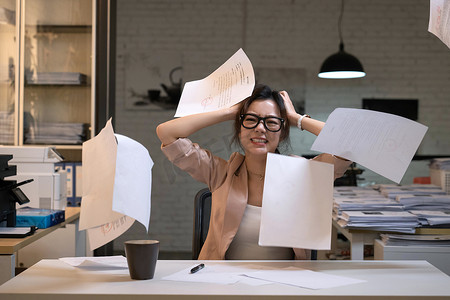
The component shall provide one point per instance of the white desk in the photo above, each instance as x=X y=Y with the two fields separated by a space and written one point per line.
x=359 y=238
x=53 y=279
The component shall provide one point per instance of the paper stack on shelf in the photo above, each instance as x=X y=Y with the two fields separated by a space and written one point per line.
x=56 y=133
x=396 y=221
x=366 y=204
x=70 y=78
x=384 y=188
x=433 y=217
x=349 y=191
x=406 y=190
x=361 y=199
x=424 y=202
x=434 y=240
x=6 y=127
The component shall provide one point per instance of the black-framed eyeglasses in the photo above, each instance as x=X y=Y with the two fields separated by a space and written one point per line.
x=272 y=124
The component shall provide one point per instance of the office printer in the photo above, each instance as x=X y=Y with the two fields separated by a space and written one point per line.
x=48 y=190
x=10 y=193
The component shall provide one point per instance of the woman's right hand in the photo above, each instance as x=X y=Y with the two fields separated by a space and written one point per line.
x=183 y=127
x=234 y=110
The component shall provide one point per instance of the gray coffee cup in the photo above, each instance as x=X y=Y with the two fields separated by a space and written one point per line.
x=141 y=258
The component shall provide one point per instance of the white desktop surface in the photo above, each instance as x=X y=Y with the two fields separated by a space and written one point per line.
x=53 y=279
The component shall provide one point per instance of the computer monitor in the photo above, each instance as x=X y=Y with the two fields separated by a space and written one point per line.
x=407 y=108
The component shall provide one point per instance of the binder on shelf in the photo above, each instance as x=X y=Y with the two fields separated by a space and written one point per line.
x=73 y=180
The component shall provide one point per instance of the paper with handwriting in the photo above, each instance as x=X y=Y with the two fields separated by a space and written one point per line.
x=116 y=186
x=231 y=83
x=439 y=22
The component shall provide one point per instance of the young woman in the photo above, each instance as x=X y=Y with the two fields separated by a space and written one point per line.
x=261 y=123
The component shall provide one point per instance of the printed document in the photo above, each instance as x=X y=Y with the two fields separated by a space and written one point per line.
x=229 y=84
x=382 y=142
x=297 y=203
x=439 y=23
x=117 y=261
x=303 y=278
x=116 y=186
x=257 y=275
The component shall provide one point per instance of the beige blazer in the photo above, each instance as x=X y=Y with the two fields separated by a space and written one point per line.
x=227 y=180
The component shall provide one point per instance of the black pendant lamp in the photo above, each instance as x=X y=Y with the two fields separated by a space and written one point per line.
x=341 y=65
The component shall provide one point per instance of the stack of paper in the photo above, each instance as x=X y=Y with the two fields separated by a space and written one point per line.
x=393 y=193
x=384 y=188
x=365 y=204
x=424 y=202
x=397 y=221
x=71 y=78
x=6 y=127
x=433 y=217
x=356 y=191
x=415 y=240
x=361 y=199
x=56 y=133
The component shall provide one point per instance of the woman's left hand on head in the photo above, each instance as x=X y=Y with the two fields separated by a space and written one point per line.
x=290 y=109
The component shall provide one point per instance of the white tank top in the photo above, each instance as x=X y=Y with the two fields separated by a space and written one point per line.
x=245 y=243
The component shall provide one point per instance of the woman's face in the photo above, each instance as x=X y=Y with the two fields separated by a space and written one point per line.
x=259 y=140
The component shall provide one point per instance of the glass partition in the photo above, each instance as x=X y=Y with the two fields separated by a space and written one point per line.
x=57 y=71
x=8 y=61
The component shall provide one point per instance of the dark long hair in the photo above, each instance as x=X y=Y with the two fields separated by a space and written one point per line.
x=262 y=92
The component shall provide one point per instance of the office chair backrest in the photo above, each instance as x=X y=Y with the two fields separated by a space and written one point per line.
x=313 y=254
x=202 y=213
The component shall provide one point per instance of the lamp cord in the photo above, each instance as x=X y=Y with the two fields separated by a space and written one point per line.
x=341 y=46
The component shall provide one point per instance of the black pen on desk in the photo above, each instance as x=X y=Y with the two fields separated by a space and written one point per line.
x=197 y=268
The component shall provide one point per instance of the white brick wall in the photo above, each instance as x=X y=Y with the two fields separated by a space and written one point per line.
x=401 y=58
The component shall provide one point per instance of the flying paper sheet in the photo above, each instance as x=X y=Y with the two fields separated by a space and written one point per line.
x=297 y=203
x=229 y=84
x=439 y=23
x=116 y=186
x=382 y=142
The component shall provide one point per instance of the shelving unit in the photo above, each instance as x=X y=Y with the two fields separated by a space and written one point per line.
x=48 y=95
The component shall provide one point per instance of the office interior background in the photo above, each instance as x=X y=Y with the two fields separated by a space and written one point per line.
x=173 y=41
